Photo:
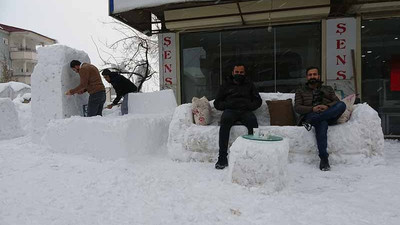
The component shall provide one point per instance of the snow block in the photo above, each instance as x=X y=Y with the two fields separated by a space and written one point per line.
x=51 y=78
x=152 y=102
x=126 y=136
x=259 y=163
x=10 y=126
x=355 y=141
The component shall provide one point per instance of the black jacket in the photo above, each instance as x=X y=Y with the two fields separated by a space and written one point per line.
x=235 y=96
x=121 y=85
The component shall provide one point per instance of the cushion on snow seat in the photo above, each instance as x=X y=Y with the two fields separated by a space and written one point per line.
x=201 y=110
x=281 y=112
x=349 y=101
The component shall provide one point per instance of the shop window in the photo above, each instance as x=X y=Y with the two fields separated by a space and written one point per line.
x=275 y=59
x=380 y=42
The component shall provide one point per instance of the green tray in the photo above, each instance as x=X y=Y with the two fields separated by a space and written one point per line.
x=266 y=138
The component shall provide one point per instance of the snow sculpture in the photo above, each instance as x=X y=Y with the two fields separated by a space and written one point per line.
x=355 y=141
x=51 y=78
x=152 y=102
x=259 y=163
x=125 y=137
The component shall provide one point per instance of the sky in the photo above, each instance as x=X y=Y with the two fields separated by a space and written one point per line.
x=71 y=22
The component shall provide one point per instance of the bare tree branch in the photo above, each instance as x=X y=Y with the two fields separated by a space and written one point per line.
x=134 y=51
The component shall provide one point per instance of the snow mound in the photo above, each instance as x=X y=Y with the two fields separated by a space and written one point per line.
x=126 y=136
x=51 y=78
x=259 y=163
x=10 y=126
x=13 y=89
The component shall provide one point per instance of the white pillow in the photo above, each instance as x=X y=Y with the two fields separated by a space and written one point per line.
x=201 y=110
x=349 y=101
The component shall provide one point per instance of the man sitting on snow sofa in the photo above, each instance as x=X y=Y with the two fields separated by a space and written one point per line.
x=354 y=141
x=238 y=98
x=319 y=107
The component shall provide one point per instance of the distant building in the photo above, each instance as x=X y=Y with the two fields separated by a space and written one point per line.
x=18 y=51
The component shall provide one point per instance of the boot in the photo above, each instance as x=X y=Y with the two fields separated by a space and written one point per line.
x=324 y=164
x=221 y=163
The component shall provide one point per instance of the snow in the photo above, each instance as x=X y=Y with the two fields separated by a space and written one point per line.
x=259 y=163
x=40 y=185
x=110 y=137
x=152 y=102
x=24 y=112
x=360 y=139
x=13 y=89
x=51 y=78
x=126 y=5
x=56 y=188
x=9 y=123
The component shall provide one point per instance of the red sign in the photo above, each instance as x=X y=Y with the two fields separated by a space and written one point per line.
x=395 y=74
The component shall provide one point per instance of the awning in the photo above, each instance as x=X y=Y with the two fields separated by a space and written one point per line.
x=155 y=16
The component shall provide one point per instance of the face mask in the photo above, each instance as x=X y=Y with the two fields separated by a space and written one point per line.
x=238 y=78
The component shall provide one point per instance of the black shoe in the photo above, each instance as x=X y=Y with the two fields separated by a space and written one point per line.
x=324 y=164
x=221 y=163
x=307 y=126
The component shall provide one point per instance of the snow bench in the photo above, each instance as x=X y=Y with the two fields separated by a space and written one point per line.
x=143 y=131
x=361 y=137
x=126 y=136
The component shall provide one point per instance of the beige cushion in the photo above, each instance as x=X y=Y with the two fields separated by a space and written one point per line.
x=349 y=101
x=201 y=111
x=281 y=112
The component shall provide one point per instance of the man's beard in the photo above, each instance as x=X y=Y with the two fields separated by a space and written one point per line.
x=313 y=81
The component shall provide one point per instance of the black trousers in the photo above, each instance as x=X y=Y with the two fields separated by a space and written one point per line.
x=228 y=119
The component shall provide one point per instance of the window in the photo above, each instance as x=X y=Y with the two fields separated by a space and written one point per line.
x=5 y=41
x=275 y=60
x=380 y=42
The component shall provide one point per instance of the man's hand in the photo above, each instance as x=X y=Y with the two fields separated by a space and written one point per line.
x=68 y=92
x=81 y=91
x=320 y=108
x=110 y=106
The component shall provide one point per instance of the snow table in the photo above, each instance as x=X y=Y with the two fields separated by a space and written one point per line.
x=259 y=163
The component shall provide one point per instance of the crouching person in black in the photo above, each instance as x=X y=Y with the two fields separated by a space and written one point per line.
x=122 y=87
x=238 y=97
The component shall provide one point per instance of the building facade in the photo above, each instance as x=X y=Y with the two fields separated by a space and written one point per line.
x=18 y=51
x=354 y=42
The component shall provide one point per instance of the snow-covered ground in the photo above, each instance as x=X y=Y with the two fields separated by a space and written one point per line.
x=39 y=186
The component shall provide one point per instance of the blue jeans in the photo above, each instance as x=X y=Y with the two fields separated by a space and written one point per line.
x=96 y=104
x=228 y=119
x=320 y=122
x=124 y=105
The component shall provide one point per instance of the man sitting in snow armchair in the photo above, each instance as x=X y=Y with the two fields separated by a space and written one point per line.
x=237 y=97
x=318 y=107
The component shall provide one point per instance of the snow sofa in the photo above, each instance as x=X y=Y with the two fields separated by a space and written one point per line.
x=359 y=138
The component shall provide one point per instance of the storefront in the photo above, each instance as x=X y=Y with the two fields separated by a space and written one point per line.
x=355 y=43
